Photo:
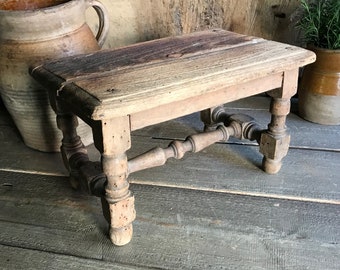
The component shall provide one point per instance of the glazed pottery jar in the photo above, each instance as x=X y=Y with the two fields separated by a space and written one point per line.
x=31 y=32
x=319 y=91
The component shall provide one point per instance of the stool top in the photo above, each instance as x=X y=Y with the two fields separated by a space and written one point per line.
x=118 y=82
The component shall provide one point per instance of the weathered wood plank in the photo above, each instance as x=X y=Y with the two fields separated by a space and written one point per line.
x=15 y=155
x=148 y=53
x=20 y=258
x=83 y=243
x=159 y=245
x=175 y=228
x=221 y=167
x=305 y=175
x=224 y=168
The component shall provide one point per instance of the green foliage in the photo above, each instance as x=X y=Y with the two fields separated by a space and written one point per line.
x=320 y=23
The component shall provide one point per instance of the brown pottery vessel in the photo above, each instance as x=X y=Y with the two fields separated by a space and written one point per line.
x=319 y=91
x=31 y=32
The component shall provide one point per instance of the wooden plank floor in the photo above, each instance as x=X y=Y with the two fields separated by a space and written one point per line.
x=212 y=210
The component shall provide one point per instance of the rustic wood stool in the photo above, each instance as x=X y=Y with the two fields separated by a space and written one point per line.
x=118 y=91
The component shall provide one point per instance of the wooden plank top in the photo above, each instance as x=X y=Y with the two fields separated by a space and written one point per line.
x=113 y=83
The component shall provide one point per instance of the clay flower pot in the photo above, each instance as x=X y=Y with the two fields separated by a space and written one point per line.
x=32 y=31
x=319 y=91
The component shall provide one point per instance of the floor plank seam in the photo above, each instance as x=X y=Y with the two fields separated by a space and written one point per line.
x=241 y=193
x=225 y=191
x=254 y=144
x=47 y=251
x=32 y=172
x=321 y=149
x=33 y=224
x=117 y=264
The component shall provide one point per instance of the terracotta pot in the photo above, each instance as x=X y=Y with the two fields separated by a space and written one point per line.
x=28 y=4
x=319 y=91
x=29 y=36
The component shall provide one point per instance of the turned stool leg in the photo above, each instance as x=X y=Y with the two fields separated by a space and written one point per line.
x=274 y=142
x=73 y=151
x=112 y=139
x=207 y=119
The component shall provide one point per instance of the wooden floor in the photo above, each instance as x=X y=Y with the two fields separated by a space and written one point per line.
x=213 y=210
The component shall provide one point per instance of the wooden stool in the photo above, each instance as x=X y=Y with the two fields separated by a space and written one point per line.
x=118 y=91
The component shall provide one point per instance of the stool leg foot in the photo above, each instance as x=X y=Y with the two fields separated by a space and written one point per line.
x=121 y=236
x=271 y=166
x=121 y=215
x=112 y=139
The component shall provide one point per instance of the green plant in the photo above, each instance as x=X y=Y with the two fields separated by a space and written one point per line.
x=320 y=23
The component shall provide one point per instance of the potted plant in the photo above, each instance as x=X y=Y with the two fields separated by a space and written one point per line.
x=319 y=90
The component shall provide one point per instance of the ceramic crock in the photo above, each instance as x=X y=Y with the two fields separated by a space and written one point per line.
x=319 y=91
x=31 y=32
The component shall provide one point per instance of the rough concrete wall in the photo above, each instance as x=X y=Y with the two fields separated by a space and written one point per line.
x=138 y=20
